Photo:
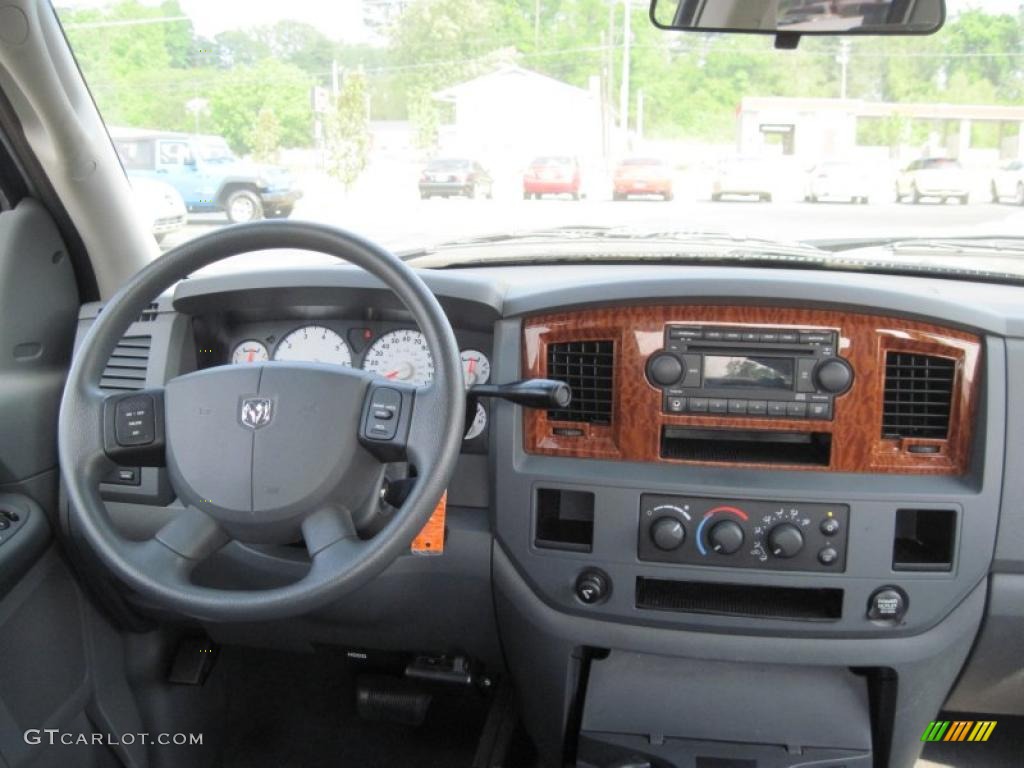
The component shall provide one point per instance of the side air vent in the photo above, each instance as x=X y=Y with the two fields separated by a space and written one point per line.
x=918 y=396
x=149 y=313
x=126 y=369
x=587 y=367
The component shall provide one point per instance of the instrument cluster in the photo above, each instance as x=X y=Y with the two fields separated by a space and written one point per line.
x=396 y=353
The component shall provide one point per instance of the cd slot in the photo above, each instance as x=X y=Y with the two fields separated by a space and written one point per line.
x=741 y=446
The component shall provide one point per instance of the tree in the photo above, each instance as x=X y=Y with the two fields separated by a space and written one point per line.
x=347 y=132
x=266 y=136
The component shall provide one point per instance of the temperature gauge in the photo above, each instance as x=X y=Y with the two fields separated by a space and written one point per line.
x=476 y=368
x=250 y=351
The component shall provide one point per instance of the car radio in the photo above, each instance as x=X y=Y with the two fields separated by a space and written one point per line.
x=786 y=373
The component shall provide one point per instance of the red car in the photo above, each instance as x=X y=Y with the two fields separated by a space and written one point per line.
x=552 y=176
x=642 y=176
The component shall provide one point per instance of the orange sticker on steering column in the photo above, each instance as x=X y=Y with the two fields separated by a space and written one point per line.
x=430 y=540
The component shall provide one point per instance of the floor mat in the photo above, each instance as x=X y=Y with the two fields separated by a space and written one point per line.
x=298 y=711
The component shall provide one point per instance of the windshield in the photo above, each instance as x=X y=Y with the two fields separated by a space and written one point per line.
x=422 y=122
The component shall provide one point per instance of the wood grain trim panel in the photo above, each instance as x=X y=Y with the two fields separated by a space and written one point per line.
x=857 y=445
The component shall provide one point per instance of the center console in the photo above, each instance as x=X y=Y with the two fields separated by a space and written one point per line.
x=756 y=485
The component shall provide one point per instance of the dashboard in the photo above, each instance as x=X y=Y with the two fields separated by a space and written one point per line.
x=761 y=471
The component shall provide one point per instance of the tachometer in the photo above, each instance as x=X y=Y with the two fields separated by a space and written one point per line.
x=250 y=351
x=314 y=344
x=401 y=356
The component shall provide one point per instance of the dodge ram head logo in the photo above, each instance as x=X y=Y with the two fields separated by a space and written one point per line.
x=256 y=412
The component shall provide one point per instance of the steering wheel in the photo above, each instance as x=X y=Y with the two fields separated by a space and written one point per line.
x=263 y=454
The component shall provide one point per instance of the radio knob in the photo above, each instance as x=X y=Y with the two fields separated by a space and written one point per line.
x=785 y=540
x=725 y=537
x=834 y=376
x=667 y=533
x=664 y=369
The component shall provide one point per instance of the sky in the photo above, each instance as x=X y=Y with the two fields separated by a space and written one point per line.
x=342 y=19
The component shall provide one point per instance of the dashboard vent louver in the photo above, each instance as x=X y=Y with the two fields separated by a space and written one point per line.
x=126 y=369
x=149 y=313
x=587 y=367
x=918 y=396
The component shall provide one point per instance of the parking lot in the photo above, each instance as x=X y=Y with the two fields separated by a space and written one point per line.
x=402 y=220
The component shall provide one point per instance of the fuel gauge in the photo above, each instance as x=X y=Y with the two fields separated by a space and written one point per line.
x=250 y=351
x=476 y=368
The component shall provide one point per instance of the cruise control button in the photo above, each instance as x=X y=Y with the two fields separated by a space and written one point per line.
x=135 y=421
x=796 y=410
x=717 y=405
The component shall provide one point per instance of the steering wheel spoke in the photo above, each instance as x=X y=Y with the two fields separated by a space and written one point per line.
x=326 y=527
x=133 y=428
x=177 y=548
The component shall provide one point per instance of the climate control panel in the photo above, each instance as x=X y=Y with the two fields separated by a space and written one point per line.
x=770 y=535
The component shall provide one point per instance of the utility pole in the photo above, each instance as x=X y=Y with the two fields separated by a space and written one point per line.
x=334 y=79
x=843 y=60
x=624 y=85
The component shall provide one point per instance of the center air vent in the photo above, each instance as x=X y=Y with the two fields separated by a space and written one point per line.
x=918 y=395
x=587 y=367
x=126 y=369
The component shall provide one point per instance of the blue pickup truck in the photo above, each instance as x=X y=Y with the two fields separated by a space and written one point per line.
x=207 y=175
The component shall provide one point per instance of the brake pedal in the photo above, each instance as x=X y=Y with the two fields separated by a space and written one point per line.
x=380 y=698
x=193 y=661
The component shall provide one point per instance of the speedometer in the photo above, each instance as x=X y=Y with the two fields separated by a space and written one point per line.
x=314 y=344
x=401 y=356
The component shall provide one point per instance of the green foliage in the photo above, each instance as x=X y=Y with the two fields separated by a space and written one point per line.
x=347 y=132
x=266 y=136
x=142 y=74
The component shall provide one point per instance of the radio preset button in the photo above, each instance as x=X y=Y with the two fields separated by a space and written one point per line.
x=789 y=337
x=776 y=409
x=751 y=336
x=698 y=405
x=819 y=410
x=796 y=410
x=757 y=407
x=714 y=335
x=738 y=406
x=679 y=332
x=733 y=335
x=815 y=337
x=771 y=337
x=718 y=405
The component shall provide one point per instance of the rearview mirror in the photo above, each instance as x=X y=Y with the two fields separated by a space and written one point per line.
x=802 y=17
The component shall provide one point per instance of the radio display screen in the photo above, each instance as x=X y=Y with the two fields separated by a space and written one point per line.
x=748 y=371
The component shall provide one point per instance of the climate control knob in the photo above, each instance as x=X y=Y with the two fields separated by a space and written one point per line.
x=785 y=540
x=667 y=533
x=725 y=537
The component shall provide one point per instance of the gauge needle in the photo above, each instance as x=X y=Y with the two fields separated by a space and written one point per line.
x=250 y=356
x=391 y=374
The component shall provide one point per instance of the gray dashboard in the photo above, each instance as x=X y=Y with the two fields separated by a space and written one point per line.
x=545 y=628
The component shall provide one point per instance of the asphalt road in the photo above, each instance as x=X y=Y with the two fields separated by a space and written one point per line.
x=410 y=222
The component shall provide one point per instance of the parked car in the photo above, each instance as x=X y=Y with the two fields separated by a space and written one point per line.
x=448 y=176
x=554 y=175
x=743 y=177
x=936 y=177
x=207 y=174
x=1008 y=182
x=161 y=204
x=836 y=180
x=642 y=176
